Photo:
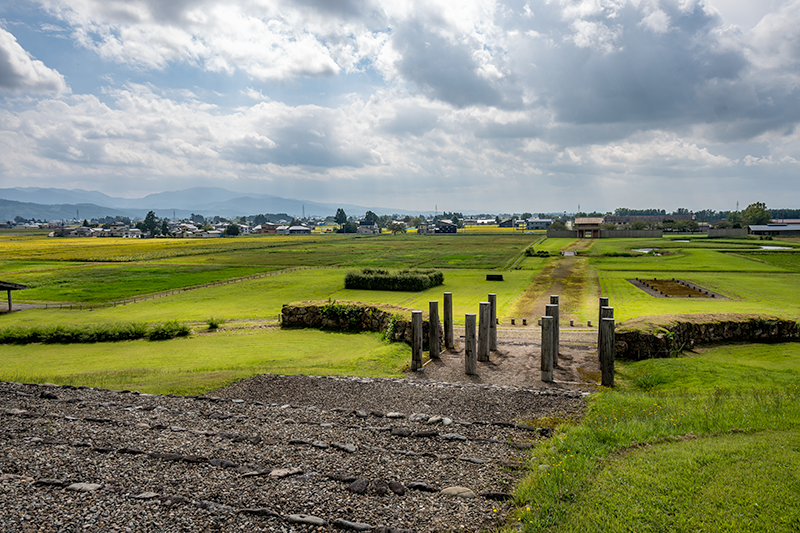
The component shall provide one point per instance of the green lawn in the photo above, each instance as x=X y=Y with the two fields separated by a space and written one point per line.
x=262 y=299
x=708 y=442
x=201 y=363
x=770 y=293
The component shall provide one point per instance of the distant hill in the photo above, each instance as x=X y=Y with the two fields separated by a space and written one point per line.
x=41 y=203
x=10 y=209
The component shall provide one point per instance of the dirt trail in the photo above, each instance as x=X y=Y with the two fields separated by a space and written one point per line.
x=517 y=360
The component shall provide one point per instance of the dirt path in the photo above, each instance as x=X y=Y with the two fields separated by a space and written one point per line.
x=517 y=361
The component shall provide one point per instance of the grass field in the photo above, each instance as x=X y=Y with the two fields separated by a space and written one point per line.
x=705 y=443
x=708 y=442
x=201 y=363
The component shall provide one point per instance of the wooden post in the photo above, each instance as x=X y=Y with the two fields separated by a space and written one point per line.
x=9 y=301
x=607 y=348
x=603 y=303
x=448 y=321
x=493 y=323
x=483 y=332
x=433 y=334
x=416 y=340
x=471 y=345
x=605 y=312
x=551 y=310
x=557 y=325
x=547 y=349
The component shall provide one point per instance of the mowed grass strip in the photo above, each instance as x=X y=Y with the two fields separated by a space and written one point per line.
x=104 y=283
x=262 y=299
x=666 y=452
x=201 y=363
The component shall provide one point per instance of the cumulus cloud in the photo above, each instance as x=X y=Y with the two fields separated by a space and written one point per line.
x=20 y=72
x=547 y=96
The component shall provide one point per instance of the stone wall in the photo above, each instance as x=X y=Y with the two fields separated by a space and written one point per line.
x=356 y=317
x=672 y=337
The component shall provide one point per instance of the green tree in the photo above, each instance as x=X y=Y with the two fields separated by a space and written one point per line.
x=735 y=219
x=371 y=218
x=526 y=216
x=756 y=213
x=348 y=227
x=164 y=227
x=150 y=223
x=232 y=230
x=396 y=227
x=341 y=216
x=557 y=225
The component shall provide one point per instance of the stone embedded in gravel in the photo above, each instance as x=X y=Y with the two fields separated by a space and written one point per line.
x=522 y=445
x=259 y=511
x=395 y=414
x=418 y=417
x=48 y=396
x=177 y=429
x=145 y=496
x=302 y=442
x=350 y=526
x=349 y=448
x=84 y=487
x=306 y=519
x=280 y=473
x=320 y=444
x=290 y=421
x=102 y=449
x=473 y=460
x=527 y=427
x=214 y=507
x=344 y=478
x=377 y=414
x=194 y=459
x=379 y=487
x=172 y=500
x=48 y=482
x=359 y=486
x=361 y=414
x=459 y=492
x=327 y=425
x=222 y=463
x=454 y=436
x=425 y=434
x=497 y=496
x=397 y=488
x=436 y=419
x=131 y=451
x=237 y=401
x=401 y=432
x=417 y=485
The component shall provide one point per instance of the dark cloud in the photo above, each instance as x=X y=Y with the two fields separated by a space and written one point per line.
x=443 y=70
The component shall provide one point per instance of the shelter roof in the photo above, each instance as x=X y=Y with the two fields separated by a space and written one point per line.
x=8 y=286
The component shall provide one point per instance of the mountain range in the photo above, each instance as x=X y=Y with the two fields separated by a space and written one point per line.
x=50 y=204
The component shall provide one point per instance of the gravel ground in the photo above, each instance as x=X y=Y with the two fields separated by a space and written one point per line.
x=276 y=453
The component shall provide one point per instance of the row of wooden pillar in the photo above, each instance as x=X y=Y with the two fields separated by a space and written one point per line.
x=477 y=347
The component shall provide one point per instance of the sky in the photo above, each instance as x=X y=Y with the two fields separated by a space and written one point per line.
x=478 y=105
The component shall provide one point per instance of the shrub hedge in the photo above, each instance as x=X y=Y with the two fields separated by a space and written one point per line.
x=60 y=334
x=376 y=279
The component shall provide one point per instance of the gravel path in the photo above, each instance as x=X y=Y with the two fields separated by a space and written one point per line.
x=276 y=453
